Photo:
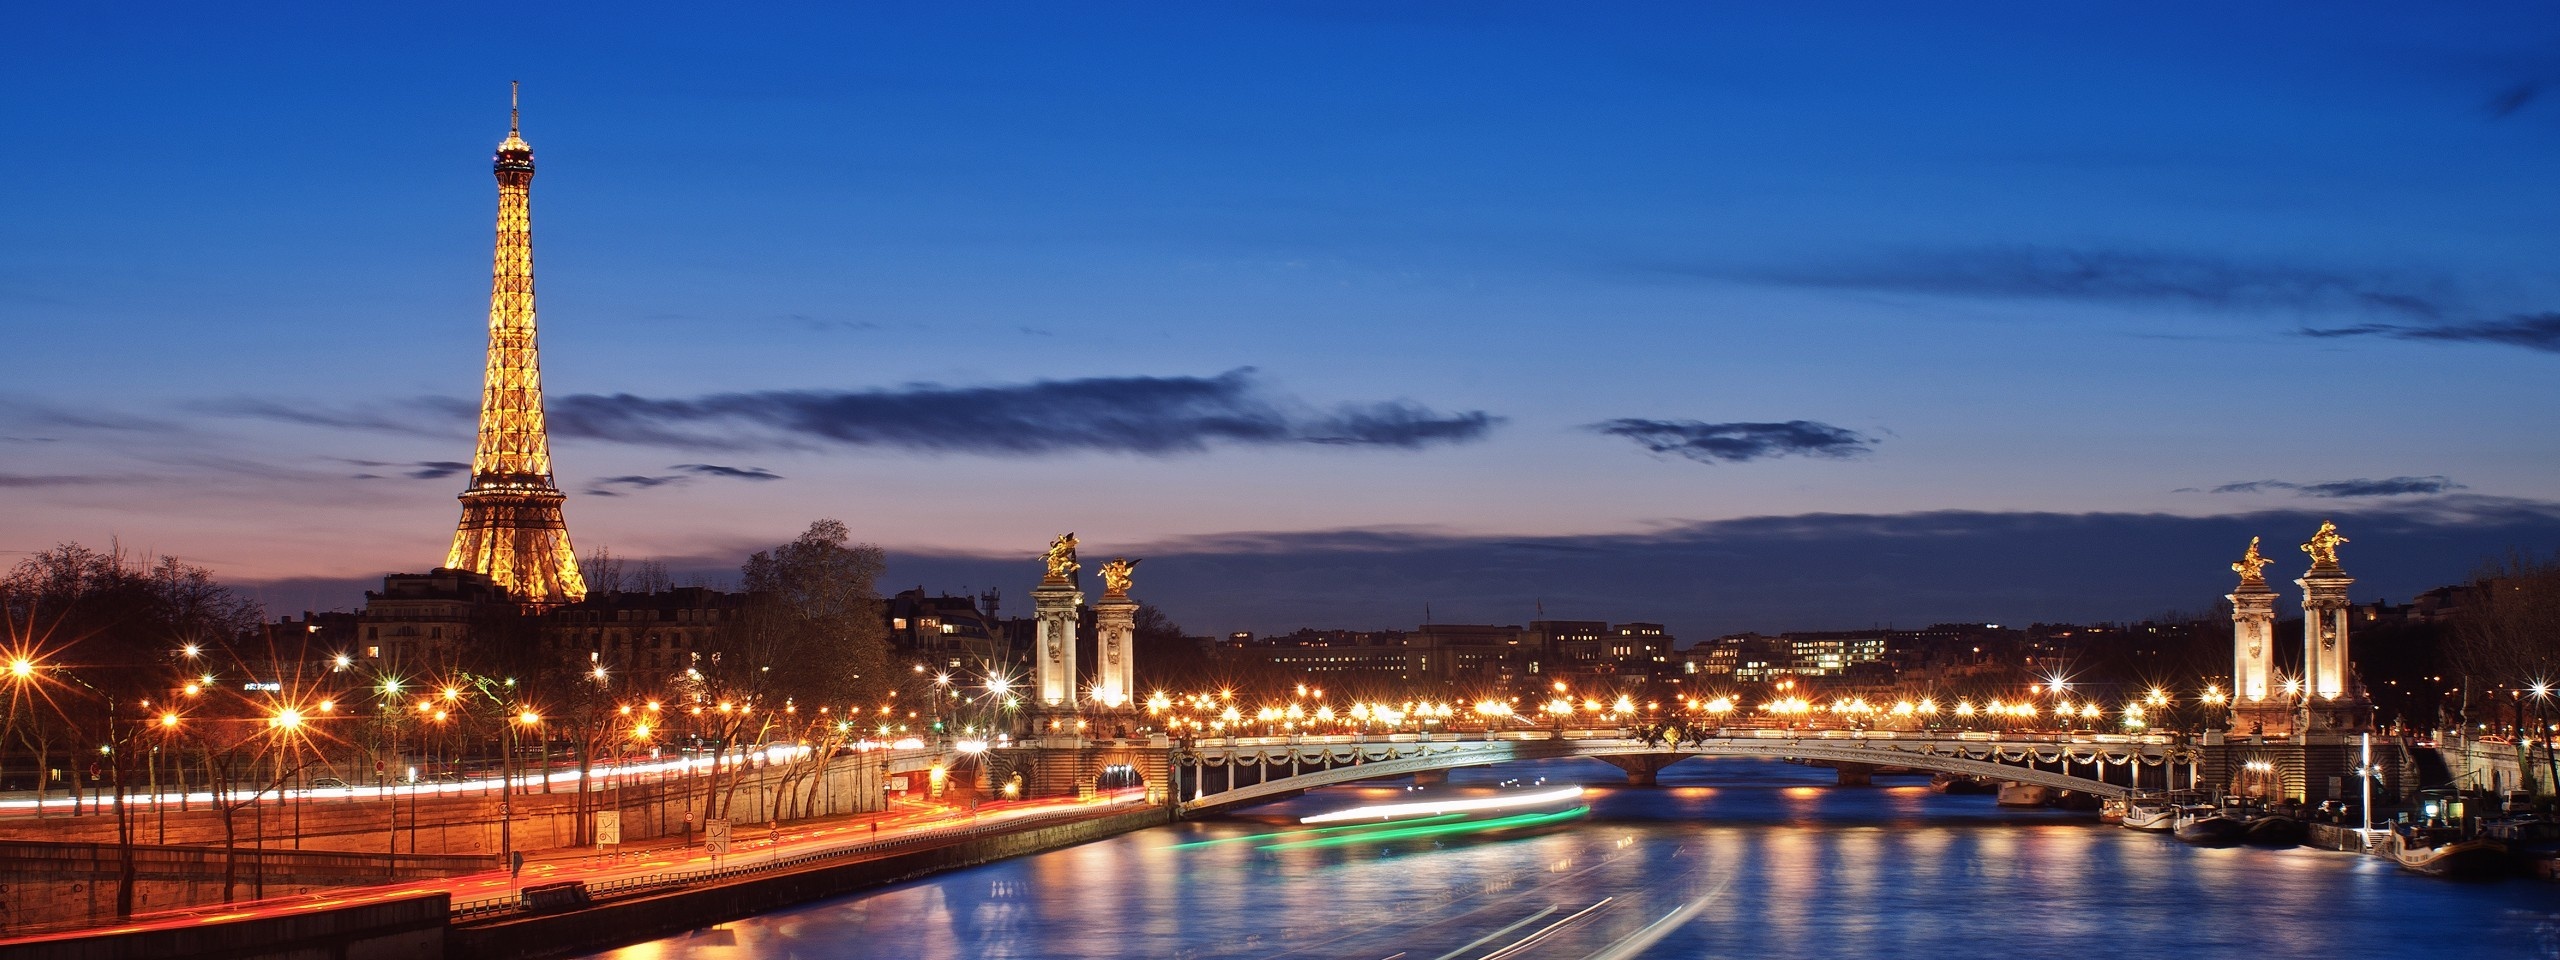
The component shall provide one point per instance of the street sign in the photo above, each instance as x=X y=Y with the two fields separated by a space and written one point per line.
x=515 y=862
x=608 y=828
x=898 y=783
x=715 y=836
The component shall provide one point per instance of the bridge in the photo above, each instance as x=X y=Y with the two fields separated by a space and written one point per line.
x=1217 y=773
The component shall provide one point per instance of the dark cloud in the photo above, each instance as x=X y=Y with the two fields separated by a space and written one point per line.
x=1153 y=416
x=2120 y=276
x=1738 y=442
x=731 y=473
x=2533 y=331
x=2336 y=489
x=1807 y=572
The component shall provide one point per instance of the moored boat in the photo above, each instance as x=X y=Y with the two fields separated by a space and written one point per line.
x=2443 y=853
x=2209 y=827
x=2024 y=795
x=2277 y=831
x=2154 y=815
x=1952 y=783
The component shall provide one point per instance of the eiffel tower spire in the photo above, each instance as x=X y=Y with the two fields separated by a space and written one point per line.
x=511 y=528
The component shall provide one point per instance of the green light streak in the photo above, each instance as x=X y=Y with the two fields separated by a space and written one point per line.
x=1410 y=832
x=1311 y=831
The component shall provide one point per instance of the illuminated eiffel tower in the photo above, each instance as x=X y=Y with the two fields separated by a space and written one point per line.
x=511 y=528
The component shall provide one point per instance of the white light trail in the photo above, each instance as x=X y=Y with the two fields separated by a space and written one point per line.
x=1390 y=811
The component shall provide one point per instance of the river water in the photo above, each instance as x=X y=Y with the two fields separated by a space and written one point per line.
x=1728 y=858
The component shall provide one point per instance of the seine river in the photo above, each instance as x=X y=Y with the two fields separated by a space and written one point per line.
x=1732 y=858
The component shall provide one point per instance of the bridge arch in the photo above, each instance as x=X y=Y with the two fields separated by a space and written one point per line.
x=1285 y=767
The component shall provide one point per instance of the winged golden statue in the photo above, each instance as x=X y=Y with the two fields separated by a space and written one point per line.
x=2251 y=564
x=1062 y=557
x=2323 y=546
x=1116 y=576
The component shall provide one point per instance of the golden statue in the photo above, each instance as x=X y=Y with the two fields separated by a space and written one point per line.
x=2250 y=564
x=1062 y=557
x=1116 y=576
x=2323 y=546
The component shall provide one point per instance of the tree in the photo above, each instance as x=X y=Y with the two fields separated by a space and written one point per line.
x=115 y=633
x=1167 y=659
x=2510 y=638
x=810 y=637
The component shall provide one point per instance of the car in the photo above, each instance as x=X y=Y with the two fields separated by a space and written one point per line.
x=328 y=783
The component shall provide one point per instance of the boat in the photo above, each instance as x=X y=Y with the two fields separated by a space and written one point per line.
x=1956 y=783
x=2153 y=815
x=2274 y=830
x=2533 y=844
x=2024 y=795
x=2207 y=826
x=2442 y=852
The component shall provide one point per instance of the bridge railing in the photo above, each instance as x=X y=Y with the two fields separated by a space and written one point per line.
x=1721 y=733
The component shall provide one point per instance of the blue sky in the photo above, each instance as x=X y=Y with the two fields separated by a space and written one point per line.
x=1174 y=275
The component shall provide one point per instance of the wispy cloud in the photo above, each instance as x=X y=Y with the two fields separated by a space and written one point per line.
x=2534 y=331
x=2514 y=98
x=1154 y=416
x=732 y=473
x=618 y=486
x=36 y=413
x=1738 y=442
x=2341 y=489
x=430 y=416
x=30 y=480
x=2122 y=276
x=413 y=470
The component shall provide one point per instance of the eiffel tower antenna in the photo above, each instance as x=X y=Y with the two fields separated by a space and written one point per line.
x=511 y=527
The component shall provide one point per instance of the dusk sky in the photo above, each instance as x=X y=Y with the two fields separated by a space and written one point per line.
x=1725 y=317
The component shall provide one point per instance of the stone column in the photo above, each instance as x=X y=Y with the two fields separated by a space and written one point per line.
x=1053 y=668
x=2253 y=656
x=1115 y=632
x=2258 y=707
x=2324 y=634
x=2325 y=674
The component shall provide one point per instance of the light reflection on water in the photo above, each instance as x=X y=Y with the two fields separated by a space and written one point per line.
x=1773 y=864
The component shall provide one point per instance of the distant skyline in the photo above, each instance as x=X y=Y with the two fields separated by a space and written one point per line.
x=1726 y=318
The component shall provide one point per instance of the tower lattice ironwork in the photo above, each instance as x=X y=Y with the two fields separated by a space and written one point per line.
x=511 y=526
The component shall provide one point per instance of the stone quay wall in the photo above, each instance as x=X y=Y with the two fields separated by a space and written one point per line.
x=614 y=923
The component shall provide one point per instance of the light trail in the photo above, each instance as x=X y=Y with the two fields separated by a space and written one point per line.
x=1524 y=943
x=1309 y=833
x=1439 y=829
x=1390 y=811
x=1488 y=938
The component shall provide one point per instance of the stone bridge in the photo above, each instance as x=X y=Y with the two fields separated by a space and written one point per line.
x=1217 y=773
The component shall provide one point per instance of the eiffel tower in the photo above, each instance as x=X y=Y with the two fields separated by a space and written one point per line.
x=511 y=528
